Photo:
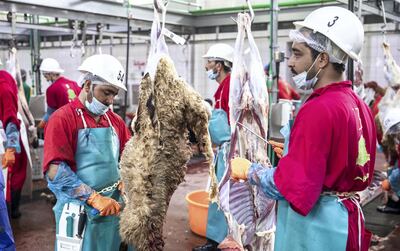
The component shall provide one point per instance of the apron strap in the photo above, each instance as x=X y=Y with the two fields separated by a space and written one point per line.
x=352 y=196
x=80 y=113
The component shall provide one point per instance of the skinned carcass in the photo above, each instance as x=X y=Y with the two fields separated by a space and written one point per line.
x=390 y=69
x=250 y=215
x=153 y=163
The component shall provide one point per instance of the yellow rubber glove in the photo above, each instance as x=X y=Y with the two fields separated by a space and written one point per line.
x=106 y=206
x=277 y=147
x=240 y=168
x=8 y=158
x=41 y=124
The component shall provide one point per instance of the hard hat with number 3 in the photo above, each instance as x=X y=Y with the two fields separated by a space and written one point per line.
x=106 y=67
x=338 y=24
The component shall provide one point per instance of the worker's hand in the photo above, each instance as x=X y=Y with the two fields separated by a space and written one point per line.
x=277 y=147
x=8 y=158
x=240 y=168
x=121 y=189
x=106 y=206
x=386 y=185
x=41 y=124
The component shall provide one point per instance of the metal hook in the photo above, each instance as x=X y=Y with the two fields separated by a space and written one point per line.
x=160 y=6
x=252 y=15
x=74 y=42
x=83 y=42
x=383 y=27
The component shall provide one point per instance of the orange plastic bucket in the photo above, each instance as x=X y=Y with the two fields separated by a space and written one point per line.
x=198 y=211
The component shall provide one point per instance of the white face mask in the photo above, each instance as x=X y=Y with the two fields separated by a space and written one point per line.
x=212 y=75
x=301 y=82
x=96 y=107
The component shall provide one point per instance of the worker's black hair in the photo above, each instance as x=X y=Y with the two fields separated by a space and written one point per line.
x=339 y=68
x=226 y=68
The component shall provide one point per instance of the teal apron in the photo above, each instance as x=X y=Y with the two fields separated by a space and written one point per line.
x=97 y=166
x=217 y=227
x=324 y=228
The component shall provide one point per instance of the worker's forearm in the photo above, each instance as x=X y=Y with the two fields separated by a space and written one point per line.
x=66 y=184
x=51 y=173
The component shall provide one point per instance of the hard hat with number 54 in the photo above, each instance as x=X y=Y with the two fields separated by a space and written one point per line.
x=106 y=67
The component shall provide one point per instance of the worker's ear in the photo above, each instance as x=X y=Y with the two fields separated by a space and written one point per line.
x=323 y=60
x=87 y=85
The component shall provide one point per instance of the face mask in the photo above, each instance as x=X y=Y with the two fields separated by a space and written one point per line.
x=301 y=82
x=96 y=107
x=212 y=75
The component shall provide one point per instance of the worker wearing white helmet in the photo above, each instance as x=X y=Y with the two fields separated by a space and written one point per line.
x=218 y=66
x=391 y=128
x=60 y=92
x=331 y=153
x=83 y=143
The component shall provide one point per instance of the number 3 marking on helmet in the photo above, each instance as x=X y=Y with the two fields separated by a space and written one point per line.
x=333 y=22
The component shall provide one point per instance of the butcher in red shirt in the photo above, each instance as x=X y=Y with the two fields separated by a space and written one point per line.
x=332 y=144
x=60 y=92
x=84 y=141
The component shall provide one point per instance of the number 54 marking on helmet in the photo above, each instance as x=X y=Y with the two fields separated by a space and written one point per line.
x=121 y=76
x=330 y=24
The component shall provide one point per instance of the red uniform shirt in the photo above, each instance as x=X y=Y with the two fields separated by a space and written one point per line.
x=324 y=152
x=61 y=92
x=221 y=96
x=62 y=133
x=8 y=99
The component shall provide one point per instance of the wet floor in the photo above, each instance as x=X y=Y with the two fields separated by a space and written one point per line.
x=35 y=230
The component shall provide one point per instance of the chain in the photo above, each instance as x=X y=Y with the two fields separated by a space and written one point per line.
x=109 y=188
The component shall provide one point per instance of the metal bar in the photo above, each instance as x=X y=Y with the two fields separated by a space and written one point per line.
x=376 y=11
x=62 y=29
x=91 y=11
x=350 y=62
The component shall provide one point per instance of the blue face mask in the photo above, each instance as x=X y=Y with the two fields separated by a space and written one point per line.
x=212 y=75
x=96 y=107
x=301 y=81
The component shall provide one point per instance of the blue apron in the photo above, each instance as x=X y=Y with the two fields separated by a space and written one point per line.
x=217 y=227
x=97 y=166
x=324 y=228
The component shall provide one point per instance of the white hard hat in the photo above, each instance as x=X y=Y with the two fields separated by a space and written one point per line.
x=106 y=67
x=50 y=65
x=338 y=24
x=220 y=52
x=391 y=118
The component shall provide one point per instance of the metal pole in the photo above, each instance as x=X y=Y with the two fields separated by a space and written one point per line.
x=36 y=55
x=127 y=61
x=350 y=63
x=273 y=48
x=127 y=71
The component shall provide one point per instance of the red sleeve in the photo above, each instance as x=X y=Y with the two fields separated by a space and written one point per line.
x=51 y=97
x=60 y=141
x=8 y=103
x=300 y=175
x=225 y=99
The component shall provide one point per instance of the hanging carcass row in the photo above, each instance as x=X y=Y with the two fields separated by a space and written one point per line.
x=250 y=215
x=153 y=163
